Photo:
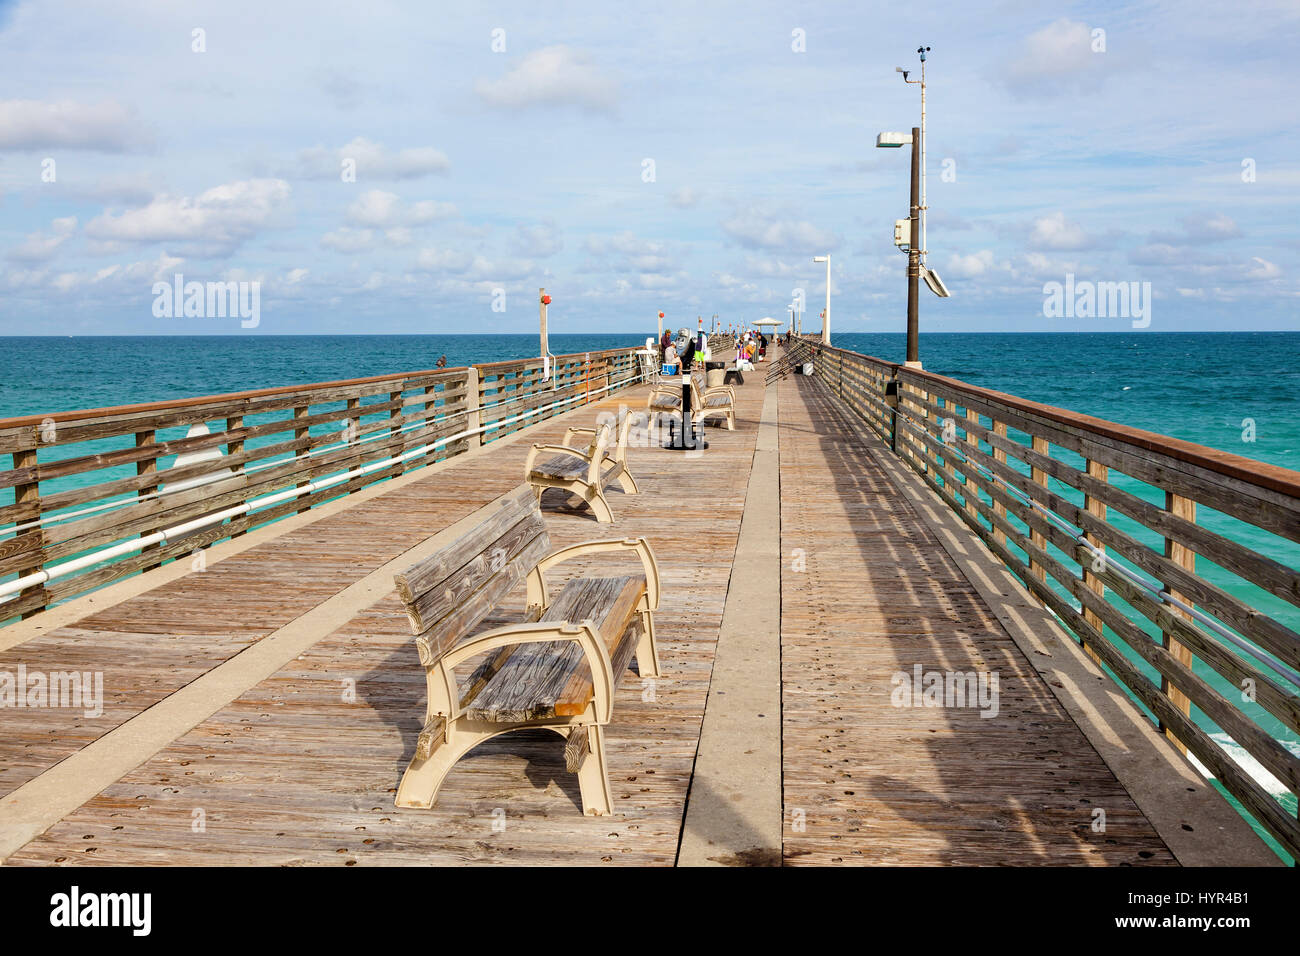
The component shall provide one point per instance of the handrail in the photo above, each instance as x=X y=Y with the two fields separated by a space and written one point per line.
x=1204 y=632
x=81 y=414
x=84 y=514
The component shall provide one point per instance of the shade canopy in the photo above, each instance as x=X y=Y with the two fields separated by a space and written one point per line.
x=769 y=321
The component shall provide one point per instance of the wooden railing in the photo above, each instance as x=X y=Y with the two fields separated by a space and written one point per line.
x=1172 y=563
x=90 y=483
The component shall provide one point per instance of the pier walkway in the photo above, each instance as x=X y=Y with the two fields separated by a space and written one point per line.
x=260 y=706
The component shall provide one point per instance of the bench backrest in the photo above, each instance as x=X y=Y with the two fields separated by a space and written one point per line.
x=697 y=391
x=620 y=427
x=599 y=447
x=486 y=555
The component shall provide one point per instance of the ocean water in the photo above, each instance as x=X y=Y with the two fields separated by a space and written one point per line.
x=1197 y=386
x=39 y=375
x=1238 y=391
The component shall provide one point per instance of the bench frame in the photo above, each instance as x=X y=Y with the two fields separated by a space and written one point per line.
x=699 y=412
x=597 y=455
x=449 y=733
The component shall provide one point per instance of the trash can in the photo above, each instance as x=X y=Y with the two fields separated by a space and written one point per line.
x=715 y=373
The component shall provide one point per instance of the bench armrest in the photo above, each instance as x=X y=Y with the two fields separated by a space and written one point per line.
x=556 y=449
x=720 y=388
x=538 y=595
x=570 y=432
x=444 y=697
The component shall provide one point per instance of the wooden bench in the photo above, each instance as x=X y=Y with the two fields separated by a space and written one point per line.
x=666 y=399
x=586 y=472
x=557 y=667
x=711 y=402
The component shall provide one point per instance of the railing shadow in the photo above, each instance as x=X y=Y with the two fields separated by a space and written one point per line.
x=999 y=788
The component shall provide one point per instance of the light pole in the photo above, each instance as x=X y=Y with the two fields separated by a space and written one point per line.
x=826 y=325
x=916 y=239
x=922 y=51
x=893 y=141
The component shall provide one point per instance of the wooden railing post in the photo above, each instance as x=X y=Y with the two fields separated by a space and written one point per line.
x=299 y=412
x=236 y=447
x=999 y=509
x=1092 y=580
x=29 y=493
x=1039 y=477
x=472 y=404
x=974 y=442
x=148 y=467
x=1185 y=557
x=395 y=423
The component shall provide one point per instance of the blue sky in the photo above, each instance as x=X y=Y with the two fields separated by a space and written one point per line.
x=480 y=170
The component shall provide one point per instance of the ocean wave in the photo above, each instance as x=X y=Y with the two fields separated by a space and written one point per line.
x=1243 y=759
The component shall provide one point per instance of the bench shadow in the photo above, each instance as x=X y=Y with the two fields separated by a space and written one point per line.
x=395 y=692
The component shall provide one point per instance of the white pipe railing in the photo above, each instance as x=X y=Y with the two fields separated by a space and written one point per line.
x=10 y=588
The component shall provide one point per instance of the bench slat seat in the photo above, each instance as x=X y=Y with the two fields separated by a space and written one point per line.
x=562 y=466
x=536 y=683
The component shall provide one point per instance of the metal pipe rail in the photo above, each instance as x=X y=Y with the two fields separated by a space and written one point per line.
x=79 y=518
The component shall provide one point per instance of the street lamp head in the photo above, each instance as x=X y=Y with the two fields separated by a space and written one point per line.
x=893 y=140
x=821 y=258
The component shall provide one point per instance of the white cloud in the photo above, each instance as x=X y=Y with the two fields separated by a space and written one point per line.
x=346 y=239
x=372 y=161
x=1057 y=56
x=33 y=124
x=758 y=229
x=223 y=216
x=541 y=240
x=684 y=198
x=627 y=252
x=975 y=264
x=38 y=247
x=1053 y=232
x=384 y=210
x=552 y=76
x=1264 y=269
x=473 y=267
x=1214 y=227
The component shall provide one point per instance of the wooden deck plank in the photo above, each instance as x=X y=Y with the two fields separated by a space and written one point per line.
x=866 y=781
x=291 y=772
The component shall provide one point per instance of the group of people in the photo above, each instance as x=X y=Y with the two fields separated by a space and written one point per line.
x=669 y=354
x=750 y=347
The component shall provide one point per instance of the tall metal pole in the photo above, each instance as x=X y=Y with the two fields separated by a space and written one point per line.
x=925 y=249
x=541 y=304
x=826 y=325
x=914 y=254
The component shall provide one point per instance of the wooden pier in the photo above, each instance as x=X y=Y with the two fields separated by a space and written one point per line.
x=262 y=692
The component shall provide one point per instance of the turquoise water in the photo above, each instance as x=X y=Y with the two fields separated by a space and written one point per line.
x=1201 y=387
x=39 y=375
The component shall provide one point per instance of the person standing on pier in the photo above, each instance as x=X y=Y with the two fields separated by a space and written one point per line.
x=688 y=357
